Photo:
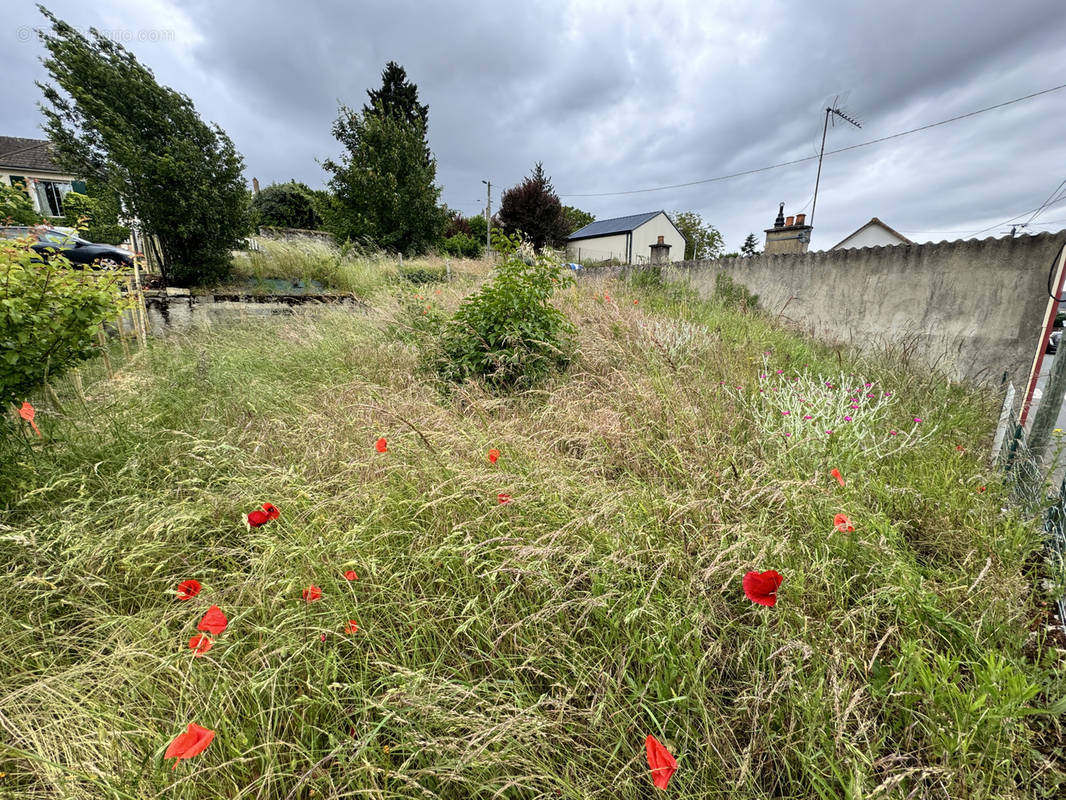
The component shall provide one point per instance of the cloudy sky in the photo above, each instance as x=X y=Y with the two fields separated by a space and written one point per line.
x=615 y=96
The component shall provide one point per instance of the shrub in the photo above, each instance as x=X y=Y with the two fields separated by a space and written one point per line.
x=89 y=215
x=49 y=317
x=508 y=334
x=286 y=205
x=16 y=208
x=423 y=273
x=460 y=245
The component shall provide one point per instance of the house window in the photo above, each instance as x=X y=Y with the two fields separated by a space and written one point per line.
x=50 y=196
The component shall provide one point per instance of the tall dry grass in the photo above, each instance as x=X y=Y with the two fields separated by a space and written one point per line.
x=525 y=649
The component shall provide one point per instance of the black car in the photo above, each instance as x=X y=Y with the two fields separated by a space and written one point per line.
x=76 y=250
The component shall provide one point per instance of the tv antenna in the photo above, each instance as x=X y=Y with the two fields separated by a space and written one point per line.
x=831 y=112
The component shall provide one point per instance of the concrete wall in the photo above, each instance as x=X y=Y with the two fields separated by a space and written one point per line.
x=973 y=309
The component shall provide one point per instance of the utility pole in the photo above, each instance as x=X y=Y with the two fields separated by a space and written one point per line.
x=821 y=153
x=488 y=215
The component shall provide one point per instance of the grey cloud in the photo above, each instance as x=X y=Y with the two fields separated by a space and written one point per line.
x=617 y=96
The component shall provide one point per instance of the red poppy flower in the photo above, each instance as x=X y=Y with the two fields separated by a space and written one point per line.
x=351 y=627
x=187 y=590
x=503 y=498
x=262 y=517
x=312 y=593
x=843 y=524
x=27 y=412
x=350 y=575
x=493 y=455
x=660 y=762
x=761 y=587
x=381 y=445
x=191 y=743
x=980 y=488
x=200 y=644
x=214 y=621
x=836 y=474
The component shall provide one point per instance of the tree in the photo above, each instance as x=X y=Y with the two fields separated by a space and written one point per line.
x=750 y=246
x=533 y=209
x=109 y=120
x=477 y=227
x=397 y=98
x=383 y=185
x=702 y=240
x=287 y=205
x=576 y=218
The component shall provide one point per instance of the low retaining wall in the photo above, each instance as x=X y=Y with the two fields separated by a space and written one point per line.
x=972 y=309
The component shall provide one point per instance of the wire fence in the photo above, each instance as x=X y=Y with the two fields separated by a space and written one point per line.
x=1031 y=491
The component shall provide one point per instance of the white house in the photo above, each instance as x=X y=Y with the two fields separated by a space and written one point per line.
x=874 y=233
x=627 y=240
x=29 y=162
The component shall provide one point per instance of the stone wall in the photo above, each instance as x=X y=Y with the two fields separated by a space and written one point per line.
x=973 y=309
x=295 y=234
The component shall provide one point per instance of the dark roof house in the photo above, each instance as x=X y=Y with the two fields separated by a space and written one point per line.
x=627 y=240
x=30 y=155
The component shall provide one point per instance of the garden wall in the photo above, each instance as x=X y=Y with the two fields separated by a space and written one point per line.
x=973 y=309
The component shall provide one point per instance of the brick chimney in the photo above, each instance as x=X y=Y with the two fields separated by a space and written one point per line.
x=791 y=235
x=660 y=252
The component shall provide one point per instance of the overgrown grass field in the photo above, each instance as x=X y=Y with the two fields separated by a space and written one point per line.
x=522 y=649
x=318 y=266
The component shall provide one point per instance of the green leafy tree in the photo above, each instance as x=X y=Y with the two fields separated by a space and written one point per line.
x=109 y=120
x=750 y=246
x=49 y=317
x=16 y=208
x=532 y=209
x=287 y=205
x=576 y=219
x=477 y=227
x=384 y=183
x=702 y=240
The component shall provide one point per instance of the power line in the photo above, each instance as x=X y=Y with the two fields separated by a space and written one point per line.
x=973 y=232
x=828 y=153
x=1044 y=204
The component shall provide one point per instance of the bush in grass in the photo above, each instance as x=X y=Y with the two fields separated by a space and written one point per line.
x=49 y=316
x=460 y=245
x=423 y=273
x=508 y=334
